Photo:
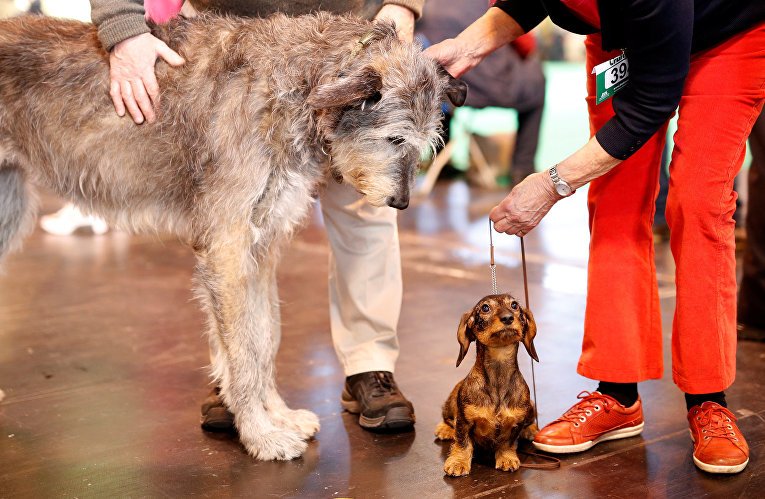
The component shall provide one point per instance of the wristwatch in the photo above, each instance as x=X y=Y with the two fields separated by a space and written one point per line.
x=561 y=186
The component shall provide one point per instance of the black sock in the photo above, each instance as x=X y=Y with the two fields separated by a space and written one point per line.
x=698 y=399
x=624 y=393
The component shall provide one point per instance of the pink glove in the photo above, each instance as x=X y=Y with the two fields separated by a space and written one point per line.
x=161 y=11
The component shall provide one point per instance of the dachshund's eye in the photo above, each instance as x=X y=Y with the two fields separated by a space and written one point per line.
x=485 y=308
x=514 y=305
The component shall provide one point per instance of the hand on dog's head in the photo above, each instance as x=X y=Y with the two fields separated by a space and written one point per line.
x=497 y=321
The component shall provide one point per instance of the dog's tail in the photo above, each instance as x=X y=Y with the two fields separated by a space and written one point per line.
x=17 y=202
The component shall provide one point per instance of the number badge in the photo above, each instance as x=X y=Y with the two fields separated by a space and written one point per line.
x=610 y=77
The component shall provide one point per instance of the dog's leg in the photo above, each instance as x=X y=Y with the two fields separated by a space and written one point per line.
x=444 y=431
x=303 y=421
x=506 y=459
x=461 y=453
x=529 y=432
x=237 y=295
x=17 y=206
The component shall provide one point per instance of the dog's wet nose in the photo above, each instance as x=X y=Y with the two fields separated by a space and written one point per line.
x=398 y=202
x=506 y=319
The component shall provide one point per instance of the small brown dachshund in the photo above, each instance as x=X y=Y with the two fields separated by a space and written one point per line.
x=491 y=407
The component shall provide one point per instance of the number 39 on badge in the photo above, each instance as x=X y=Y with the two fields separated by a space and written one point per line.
x=610 y=77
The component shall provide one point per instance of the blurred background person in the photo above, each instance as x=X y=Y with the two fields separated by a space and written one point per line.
x=511 y=77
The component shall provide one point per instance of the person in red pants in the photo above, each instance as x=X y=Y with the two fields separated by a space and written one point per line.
x=644 y=59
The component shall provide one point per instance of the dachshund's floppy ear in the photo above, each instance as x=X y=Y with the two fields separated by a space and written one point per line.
x=529 y=332
x=456 y=90
x=357 y=86
x=465 y=334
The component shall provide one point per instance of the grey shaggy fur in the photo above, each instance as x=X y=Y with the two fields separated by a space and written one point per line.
x=244 y=134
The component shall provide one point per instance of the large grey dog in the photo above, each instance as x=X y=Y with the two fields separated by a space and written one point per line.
x=246 y=130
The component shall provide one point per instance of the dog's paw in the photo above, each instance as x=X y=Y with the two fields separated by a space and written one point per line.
x=444 y=431
x=529 y=432
x=306 y=421
x=456 y=466
x=507 y=461
x=276 y=445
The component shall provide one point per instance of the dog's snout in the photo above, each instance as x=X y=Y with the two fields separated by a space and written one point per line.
x=506 y=319
x=398 y=202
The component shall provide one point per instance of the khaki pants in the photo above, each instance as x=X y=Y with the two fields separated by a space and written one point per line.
x=365 y=287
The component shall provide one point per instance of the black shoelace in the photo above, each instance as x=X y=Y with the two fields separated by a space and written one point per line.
x=383 y=384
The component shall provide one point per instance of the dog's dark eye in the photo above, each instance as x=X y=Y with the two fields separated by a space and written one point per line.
x=514 y=305
x=396 y=140
x=371 y=100
x=485 y=308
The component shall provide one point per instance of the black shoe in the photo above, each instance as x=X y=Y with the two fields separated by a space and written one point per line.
x=749 y=332
x=375 y=396
x=216 y=417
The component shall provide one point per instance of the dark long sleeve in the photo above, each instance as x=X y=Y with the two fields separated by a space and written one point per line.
x=527 y=13
x=658 y=36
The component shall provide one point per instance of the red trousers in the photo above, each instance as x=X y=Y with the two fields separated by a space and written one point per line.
x=723 y=95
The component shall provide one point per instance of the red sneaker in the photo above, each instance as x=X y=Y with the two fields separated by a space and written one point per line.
x=595 y=419
x=718 y=445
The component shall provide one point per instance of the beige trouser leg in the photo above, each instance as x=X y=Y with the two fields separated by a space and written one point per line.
x=365 y=287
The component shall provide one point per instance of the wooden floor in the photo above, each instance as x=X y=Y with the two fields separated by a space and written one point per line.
x=102 y=365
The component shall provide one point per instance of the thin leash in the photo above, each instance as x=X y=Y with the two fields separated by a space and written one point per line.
x=495 y=291
x=553 y=463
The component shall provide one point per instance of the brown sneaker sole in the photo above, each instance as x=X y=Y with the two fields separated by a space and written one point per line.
x=218 y=420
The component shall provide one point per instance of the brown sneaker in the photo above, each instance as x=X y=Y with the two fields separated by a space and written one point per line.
x=595 y=419
x=216 y=417
x=378 y=401
x=718 y=445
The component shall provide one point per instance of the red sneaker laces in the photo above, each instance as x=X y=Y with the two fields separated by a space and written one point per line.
x=716 y=422
x=591 y=401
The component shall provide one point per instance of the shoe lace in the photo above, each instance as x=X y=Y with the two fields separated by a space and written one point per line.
x=716 y=422
x=382 y=383
x=591 y=402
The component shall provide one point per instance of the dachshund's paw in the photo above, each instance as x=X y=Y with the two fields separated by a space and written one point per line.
x=507 y=461
x=456 y=466
x=276 y=445
x=529 y=432
x=444 y=431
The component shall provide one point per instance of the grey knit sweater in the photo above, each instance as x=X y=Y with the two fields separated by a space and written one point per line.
x=118 y=20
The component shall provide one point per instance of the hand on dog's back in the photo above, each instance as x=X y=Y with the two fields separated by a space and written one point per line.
x=133 y=83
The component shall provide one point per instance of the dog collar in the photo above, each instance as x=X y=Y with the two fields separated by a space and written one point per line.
x=361 y=43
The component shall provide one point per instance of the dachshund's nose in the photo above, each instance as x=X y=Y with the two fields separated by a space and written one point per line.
x=506 y=319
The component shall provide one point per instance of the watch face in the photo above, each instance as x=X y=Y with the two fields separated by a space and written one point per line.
x=563 y=189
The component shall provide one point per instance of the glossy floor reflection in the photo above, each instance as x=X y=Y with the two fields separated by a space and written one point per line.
x=102 y=365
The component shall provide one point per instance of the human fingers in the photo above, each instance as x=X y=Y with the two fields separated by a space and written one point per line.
x=116 y=95
x=169 y=55
x=142 y=99
x=132 y=106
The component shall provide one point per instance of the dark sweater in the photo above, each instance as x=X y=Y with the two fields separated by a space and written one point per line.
x=659 y=37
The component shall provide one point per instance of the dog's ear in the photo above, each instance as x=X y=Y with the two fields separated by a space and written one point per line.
x=344 y=90
x=456 y=90
x=465 y=334
x=529 y=332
